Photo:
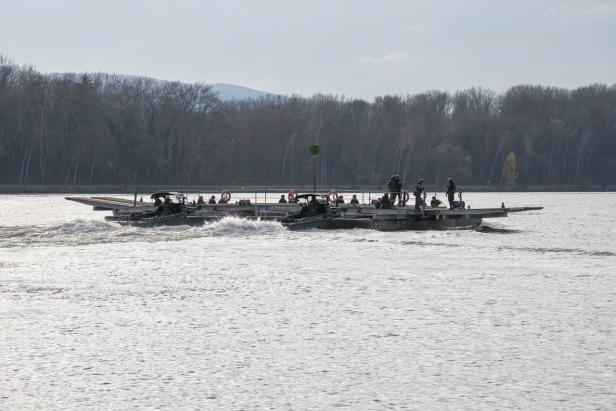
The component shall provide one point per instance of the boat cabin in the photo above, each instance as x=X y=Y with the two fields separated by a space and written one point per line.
x=313 y=203
x=170 y=202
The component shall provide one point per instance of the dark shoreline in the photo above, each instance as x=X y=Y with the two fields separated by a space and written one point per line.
x=145 y=189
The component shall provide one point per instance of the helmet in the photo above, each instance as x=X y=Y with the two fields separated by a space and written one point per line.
x=421 y=180
x=450 y=179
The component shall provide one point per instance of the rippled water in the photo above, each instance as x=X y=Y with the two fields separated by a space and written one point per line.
x=246 y=315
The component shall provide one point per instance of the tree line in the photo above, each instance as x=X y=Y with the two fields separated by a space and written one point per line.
x=111 y=129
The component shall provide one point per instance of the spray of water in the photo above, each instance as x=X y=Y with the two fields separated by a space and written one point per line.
x=83 y=232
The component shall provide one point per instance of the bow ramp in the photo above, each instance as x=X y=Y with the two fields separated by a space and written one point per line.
x=110 y=203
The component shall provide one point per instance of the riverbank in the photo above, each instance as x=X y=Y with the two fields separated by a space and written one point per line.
x=144 y=189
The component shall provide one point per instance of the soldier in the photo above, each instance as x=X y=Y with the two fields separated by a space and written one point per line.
x=385 y=201
x=354 y=200
x=418 y=193
x=435 y=202
x=282 y=200
x=395 y=188
x=451 y=192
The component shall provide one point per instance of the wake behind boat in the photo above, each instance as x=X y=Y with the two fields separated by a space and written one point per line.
x=303 y=211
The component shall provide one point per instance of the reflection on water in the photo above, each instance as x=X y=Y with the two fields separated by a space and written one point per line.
x=247 y=315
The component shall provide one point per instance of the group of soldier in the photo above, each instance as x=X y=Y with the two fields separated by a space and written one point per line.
x=339 y=200
x=395 y=191
x=387 y=201
x=212 y=200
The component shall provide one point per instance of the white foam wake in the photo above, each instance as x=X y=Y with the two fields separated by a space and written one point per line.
x=83 y=232
x=242 y=226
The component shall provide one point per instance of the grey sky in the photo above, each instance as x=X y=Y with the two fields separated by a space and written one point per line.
x=353 y=48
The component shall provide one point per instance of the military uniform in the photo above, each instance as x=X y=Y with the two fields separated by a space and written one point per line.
x=395 y=188
x=451 y=192
x=418 y=193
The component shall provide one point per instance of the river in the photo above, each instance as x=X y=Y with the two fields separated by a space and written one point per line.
x=247 y=315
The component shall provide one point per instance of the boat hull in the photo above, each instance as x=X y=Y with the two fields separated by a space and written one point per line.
x=446 y=224
x=170 y=220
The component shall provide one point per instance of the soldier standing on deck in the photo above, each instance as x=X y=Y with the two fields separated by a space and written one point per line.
x=418 y=193
x=395 y=189
x=451 y=192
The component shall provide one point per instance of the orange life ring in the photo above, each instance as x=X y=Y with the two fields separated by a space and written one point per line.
x=291 y=195
x=332 y=196
x=225 y=196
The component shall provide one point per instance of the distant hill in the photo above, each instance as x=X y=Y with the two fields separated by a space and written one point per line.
x=226 y=92
x=234 y=92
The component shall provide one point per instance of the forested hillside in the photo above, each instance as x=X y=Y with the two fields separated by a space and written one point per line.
x=106 y=129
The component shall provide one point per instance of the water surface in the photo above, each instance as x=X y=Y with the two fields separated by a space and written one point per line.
x=247 y=315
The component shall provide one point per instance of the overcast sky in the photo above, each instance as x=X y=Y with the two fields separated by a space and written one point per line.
x=353 y=48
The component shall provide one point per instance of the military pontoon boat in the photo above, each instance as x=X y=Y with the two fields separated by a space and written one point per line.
x=305 y=211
